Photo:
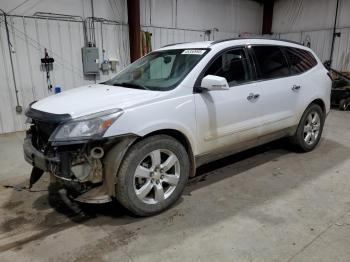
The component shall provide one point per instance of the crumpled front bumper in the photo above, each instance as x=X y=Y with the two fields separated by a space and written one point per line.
x=57 y=162
x=36 y=158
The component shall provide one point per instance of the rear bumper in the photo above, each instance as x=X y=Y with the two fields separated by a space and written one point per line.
x=36 y=158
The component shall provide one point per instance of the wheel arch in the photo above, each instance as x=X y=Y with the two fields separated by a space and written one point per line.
x=297 y=137
x=121 y=147
x=321 y=103
x=315 y=100
x=181 y=137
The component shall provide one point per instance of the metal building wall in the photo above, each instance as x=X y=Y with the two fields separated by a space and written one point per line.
x=172 y=21
x=63 y=40
x=162 y=36
x=341 y=54
x=234 y=16
x=321 y=42
x=312 y=21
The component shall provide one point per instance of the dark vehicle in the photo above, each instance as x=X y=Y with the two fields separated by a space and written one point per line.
x=340 y=95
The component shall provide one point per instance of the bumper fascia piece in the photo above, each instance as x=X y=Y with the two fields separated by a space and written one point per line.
x=97 y=194
x=36 y=158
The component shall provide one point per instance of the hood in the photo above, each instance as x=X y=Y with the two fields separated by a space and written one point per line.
x=91 y=99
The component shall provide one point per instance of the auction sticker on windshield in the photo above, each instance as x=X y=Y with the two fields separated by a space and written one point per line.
x=193 y=52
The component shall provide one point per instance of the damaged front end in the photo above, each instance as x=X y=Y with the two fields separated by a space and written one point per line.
x=76 y=164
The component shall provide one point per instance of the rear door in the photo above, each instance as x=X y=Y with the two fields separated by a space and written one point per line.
x=278 y=91
x=305 y=82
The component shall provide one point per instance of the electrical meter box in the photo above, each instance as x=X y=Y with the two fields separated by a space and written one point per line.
x=90 y=60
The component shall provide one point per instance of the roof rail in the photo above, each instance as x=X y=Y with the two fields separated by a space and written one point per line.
x=253 y=38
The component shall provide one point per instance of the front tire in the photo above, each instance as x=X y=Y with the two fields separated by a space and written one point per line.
x=309 y=129
x=153 y=175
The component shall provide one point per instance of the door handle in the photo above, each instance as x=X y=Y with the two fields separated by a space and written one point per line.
x=252 y=97
x=296 y=87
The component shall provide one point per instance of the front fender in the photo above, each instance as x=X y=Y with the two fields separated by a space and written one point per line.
x=113 y=160
x=176 y=113
x=160 y=125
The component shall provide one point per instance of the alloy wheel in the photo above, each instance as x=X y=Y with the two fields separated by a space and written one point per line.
x=156 y=176
x=312 y=128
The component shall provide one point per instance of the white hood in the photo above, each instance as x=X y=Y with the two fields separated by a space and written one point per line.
x=91 y=99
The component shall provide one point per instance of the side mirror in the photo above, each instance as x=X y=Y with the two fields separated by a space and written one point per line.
x=211 y=83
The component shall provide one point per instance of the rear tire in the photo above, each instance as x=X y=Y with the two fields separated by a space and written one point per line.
x=153 y=175
x=309 y=129
x=343 y=104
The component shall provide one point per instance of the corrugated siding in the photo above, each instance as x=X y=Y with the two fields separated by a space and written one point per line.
x=223 y=35
x=64 y=40
x=165 y=36
x=342 y=50
x=305 y=20
x=321 y=42
x=7 y=120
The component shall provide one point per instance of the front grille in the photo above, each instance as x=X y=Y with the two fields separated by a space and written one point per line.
x=43 y=125
x=41 y=132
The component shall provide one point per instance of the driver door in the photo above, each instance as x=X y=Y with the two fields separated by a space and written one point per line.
x=227 y=118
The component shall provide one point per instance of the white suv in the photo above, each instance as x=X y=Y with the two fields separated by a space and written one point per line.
x=139 y=136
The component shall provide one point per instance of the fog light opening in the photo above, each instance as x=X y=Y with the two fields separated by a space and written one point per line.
x=97 y=152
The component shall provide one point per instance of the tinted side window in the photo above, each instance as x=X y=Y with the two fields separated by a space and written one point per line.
x=233 y=65
x=299 y=60
x=271 y=62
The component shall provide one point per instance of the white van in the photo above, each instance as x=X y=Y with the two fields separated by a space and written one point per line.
x=139 y=136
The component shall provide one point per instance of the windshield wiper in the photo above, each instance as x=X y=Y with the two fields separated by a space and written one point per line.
x=131 y=85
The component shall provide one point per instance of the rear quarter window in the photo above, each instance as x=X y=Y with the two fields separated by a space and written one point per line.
x=270 y=62
x=299 y=60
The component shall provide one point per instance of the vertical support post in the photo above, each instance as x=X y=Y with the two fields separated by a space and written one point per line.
x=18 y=107
x=334 y=34
x=267 y=17
x=92 y=9
x=134 y=29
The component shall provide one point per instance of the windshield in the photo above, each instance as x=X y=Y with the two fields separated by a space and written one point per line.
x=159 y=71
